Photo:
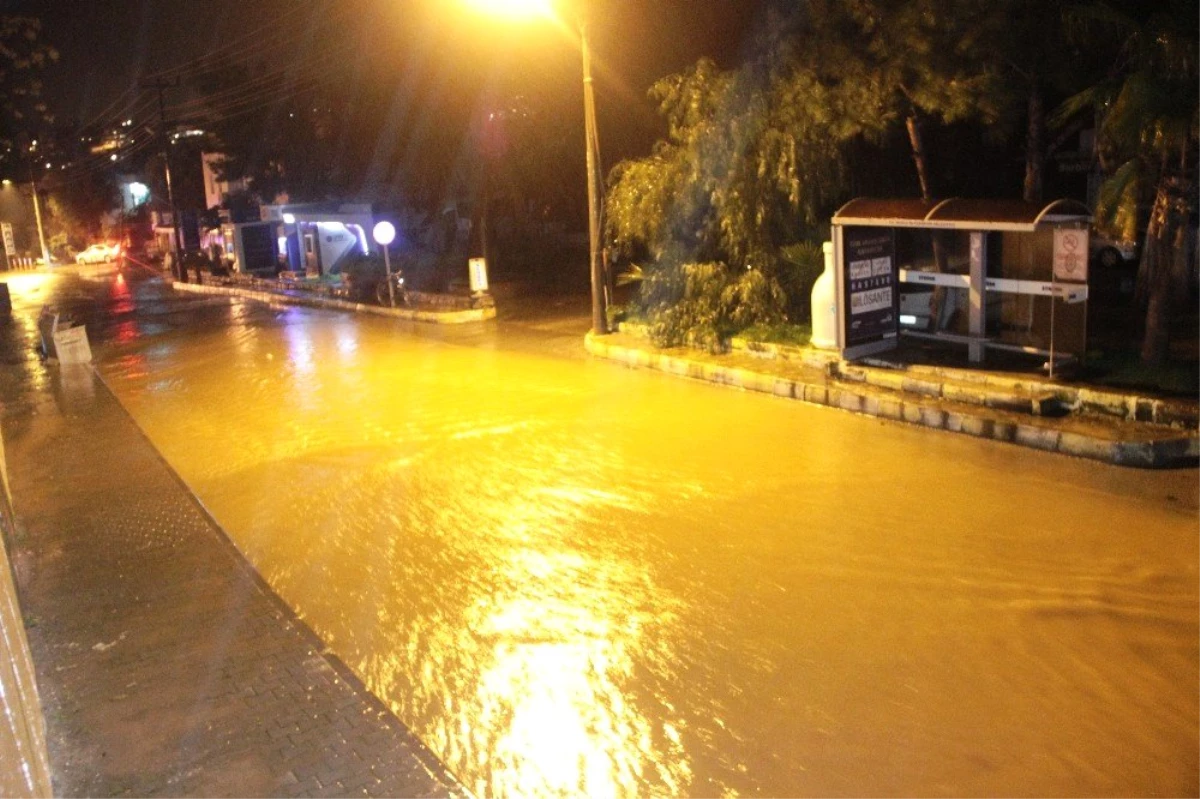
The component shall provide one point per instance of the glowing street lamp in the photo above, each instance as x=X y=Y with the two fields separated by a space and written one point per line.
x=513 y=9
x=530 y=9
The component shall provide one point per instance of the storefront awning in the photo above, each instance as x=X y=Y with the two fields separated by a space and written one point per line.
x=959 y=214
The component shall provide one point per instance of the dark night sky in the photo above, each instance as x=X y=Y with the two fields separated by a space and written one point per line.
x=107 y=46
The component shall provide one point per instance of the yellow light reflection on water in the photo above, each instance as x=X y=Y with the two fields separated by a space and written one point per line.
x=557 y=631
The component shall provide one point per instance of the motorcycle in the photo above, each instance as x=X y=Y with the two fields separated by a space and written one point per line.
x=397 y=295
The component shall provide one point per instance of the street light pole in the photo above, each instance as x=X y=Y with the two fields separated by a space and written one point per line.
x=177 y=269
x=37 y=215
x=599 y=309
x=595 y=204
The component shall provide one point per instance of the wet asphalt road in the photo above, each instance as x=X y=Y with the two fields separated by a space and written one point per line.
x=567 y=577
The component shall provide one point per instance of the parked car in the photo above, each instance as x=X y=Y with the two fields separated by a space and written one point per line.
x=99 y=254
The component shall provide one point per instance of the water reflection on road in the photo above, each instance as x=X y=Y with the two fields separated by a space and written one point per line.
x=571 y=578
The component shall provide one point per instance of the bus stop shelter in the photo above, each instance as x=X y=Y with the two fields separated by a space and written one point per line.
x=1001 y=274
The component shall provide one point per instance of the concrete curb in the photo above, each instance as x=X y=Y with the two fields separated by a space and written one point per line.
x=440 y=317
x=1156 y=448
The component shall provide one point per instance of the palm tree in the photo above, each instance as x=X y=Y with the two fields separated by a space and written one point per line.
x=1148 y=114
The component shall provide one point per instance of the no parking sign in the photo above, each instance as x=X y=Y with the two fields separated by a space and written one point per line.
x=1071 y=254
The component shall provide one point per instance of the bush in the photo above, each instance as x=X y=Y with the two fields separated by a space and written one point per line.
x=361 y=275
x=702 y=304
x=797 y=270
x=786 y=333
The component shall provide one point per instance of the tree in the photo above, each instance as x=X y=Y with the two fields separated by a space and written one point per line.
x=22 y=57
x=925 y=57
x=1035 y=62
x=76 y=206
x=752 y=158
x=1148 y=117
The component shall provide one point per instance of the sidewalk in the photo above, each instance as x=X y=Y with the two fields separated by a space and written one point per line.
x=1117 y=427
x=166 y=667
x=446 y=316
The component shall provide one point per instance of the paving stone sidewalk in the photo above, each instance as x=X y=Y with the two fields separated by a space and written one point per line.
x=166 y=667
x=1126 y=430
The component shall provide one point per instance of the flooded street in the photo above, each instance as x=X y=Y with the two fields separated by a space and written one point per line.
x=570 y=578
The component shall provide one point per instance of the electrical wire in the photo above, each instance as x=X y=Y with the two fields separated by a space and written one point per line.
x=277 y=86
x=132 y=90
x=248 y=42
x=97 y=163
x=258 y=88
x=242 y=51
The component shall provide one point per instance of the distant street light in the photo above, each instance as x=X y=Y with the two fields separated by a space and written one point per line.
x=138 y=192
x=528 y=9
x=384 y=234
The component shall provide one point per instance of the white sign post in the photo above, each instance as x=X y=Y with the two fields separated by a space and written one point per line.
x=384 y=234
x=10 y=247
x=477 y=268
x=1070 y=264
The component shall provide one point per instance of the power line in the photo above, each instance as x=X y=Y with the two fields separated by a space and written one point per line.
x=132 y=102
x=98 y=162
x=259 y=88
x=249 y=42
x=280 y=84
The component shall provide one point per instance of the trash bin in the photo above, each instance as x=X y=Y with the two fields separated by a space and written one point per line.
x=824 y=305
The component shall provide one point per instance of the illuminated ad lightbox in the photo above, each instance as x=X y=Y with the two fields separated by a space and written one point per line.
x=871 y=300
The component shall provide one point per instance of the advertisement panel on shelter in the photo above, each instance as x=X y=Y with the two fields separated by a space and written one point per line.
x=869 y=261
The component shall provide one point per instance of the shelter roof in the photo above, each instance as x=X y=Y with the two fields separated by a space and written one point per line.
x=959 y=214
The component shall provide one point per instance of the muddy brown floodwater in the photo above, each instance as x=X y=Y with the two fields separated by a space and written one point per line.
x=570 y=578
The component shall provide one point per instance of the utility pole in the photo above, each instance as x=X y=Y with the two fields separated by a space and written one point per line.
x=37 y=215
x=27 y=148
x=176 y=250
x=595 y=211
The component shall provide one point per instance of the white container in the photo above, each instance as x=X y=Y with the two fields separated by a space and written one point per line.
x=824 y=305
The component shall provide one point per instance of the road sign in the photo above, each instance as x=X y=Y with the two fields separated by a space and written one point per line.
x=477 y=269
x=1070 y=254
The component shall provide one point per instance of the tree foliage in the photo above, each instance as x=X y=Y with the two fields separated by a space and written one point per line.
x=23 y=55
x=753 y=158
x=76 y=207
x=1148 y=121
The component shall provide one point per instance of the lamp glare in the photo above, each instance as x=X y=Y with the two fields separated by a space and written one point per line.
x=384 y=233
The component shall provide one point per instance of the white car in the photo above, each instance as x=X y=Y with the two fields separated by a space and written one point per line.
x=99 y=254
x=1111 y=253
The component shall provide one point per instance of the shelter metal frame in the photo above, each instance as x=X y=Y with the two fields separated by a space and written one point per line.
x=977 y=218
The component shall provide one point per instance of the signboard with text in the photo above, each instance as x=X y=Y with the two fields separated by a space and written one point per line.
x=10 y=249
x=869 y=278
x=477 y=271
